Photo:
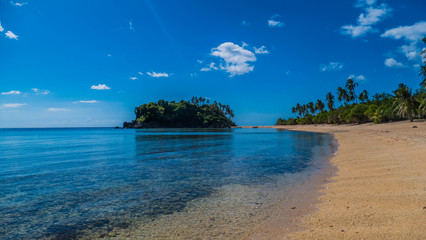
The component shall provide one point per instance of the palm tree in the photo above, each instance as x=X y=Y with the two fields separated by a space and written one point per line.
x=342 y=95
x=311 y=107
x=330 y=103
x=363 y=97
x=319 y=105
x=423 y=68
x=350 y=86
x=404 y=101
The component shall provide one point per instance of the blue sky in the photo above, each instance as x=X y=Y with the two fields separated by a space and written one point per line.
x=89 y=63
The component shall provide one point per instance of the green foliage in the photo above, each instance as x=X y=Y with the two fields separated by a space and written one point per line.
x=195 y=113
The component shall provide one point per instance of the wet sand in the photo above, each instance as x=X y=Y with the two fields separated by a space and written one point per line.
x=378 y=191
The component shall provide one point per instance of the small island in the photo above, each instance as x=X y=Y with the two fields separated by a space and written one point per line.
x=196 y=113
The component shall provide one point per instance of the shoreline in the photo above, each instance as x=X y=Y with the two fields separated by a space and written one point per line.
x=378 y=190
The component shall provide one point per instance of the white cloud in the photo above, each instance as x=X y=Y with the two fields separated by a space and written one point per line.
x=109 y=55
x=209 y=68
x=18 y=4
x=100 y=87
x=11 y=35
x=140 y=73
x=332 y=66
x=133 y=78
x=13 y=105
x=236 y=58
x=13 y=92
x=39 y=91
x=131 y=26
x=411 y=33
x=372 y=15
x=390 y=62
x=261 y=50
x=87 y=101
x=154 y=74
x=1 y=28
x=275 y=23
x=200 y=61
x=359 y=78
x=57 y=109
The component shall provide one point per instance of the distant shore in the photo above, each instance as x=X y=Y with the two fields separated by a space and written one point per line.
x=378 y=191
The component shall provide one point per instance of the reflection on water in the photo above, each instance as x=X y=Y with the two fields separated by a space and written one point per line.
x=77 y=183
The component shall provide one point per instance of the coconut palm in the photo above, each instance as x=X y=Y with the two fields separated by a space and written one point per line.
x=330 y=103
x=423 y=68
x=311 y=107
x=350 y=86
x=342 y=95
x=363 y=97
x=319 y=105
x=404 y=101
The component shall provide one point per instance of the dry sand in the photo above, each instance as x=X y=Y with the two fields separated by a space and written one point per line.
x=378 y=191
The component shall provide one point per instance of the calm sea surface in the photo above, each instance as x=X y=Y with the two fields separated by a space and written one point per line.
x=153 y=184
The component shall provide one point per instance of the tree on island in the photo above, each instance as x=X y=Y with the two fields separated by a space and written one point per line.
x=197 y=113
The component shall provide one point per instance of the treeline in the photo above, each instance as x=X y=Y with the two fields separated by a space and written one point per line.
x=196 y=113
x=384 y=107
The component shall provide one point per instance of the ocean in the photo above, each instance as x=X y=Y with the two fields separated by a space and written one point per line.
x=86 y=183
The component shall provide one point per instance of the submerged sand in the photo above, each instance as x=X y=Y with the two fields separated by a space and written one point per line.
x=378 y=191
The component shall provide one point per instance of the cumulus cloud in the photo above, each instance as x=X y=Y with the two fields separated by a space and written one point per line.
x=13 y=92
x=17 y=4
x=412 y=35
x=11 y=35
x=133 y=78
x=261 y=50
x=13 y=105
x=100 y=87
x=275 y=22
x=57 y=109
x=359 y=78
x=209 y=68
x=87 y=101
x=391 y=62
x=235 y=58
x=372 y=14
x=156 y=75
x=1 y=28
x=332 y=66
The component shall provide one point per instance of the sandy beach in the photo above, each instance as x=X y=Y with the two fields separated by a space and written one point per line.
x=377 y=192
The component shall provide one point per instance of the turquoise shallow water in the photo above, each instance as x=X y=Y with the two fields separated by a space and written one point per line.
x=90 y=182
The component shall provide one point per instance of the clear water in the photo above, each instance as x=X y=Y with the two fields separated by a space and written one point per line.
x=103 y=182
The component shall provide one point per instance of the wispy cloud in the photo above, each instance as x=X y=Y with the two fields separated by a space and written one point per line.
x=412 y=35
x=332 y=66
x=235 y=57
x=245 y=23
x=209 y=68
x=87 y=101
x=13 y=92
x=57 y=109
x=156 y=75
x=133 y=78
x=11 y=35
x=372 y=14
x=140 y=73
x=17 y=4
x=391 y=62
x=1 y=28
x=261 y=50
x=100 y=87
x=359 y=78
x=39 y=91
x=13 y=105
x=131 y=26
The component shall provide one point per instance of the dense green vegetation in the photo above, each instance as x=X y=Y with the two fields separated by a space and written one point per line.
x=197 y=113
x=353 y=108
